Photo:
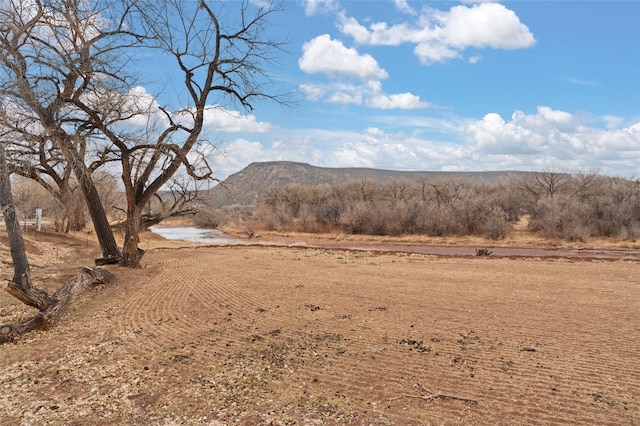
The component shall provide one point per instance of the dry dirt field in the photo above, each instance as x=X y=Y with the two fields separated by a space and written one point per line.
x=292 y=335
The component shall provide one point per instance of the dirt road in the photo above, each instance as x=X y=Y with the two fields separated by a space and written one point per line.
x=278 y=335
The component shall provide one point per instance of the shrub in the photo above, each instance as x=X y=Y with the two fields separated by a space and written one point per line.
x=207 y=218
x=560 y=205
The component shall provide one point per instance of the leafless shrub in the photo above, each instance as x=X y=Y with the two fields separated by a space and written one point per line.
x=207 y=218
x=561 y=206
x=483 y=252
x=495 y=224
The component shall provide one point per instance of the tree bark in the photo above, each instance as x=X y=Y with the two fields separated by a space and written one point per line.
x=16 y=243
x=25 y=292
x=131 y=253
x=20 y=286
x=63 y=298
x=78 y=216
x=50 y=307
x=110 y=250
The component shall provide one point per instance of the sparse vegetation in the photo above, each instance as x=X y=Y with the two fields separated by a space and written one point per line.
x=483 y=252
x=569 y=207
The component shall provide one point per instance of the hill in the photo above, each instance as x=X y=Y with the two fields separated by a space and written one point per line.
x=246 y=186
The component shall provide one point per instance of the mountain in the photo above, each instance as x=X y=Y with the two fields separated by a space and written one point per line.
x=246 y=186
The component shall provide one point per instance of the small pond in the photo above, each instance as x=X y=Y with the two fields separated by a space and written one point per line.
x=193 y=234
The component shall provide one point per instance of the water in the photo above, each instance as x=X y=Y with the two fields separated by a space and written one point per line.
x=193 y=234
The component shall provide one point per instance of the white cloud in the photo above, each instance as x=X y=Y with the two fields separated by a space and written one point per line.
x=561 y=119
x=343 y=97
x=220 y=119
x=146 y=114
x=139 y=106
x=545 y=138
x=237 y=155
x=369 y=94
x=432 y=53
x=314 y=7
x=404 y=7
x=399 y=101
x=327 y=56
x=374 y=131
x=378 y=33
x=612 y=122
x=312 y=92
x=441 y=35
x=484 y=25
x=552 y=137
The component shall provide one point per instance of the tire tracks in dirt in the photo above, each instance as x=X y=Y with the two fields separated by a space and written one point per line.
x=345 y=334
x=173 y=305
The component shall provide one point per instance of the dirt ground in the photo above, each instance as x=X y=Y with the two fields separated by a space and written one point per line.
x=298 y=335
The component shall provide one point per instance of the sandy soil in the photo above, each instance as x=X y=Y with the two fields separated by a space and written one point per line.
x=301 y=335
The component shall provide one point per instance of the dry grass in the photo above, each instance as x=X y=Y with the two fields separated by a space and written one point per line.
x=519 y=236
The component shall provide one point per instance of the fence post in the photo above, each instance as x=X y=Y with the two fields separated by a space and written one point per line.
x=38 y=219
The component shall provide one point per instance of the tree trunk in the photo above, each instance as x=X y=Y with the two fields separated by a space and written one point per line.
x=131 y=253
x=20 y=287
x=110 y=251
x=50 y=307
x=62 y=298
x=16 y=243
x=78 y=216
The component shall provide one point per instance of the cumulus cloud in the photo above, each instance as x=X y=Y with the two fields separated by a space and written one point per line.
x=433 y=52
x=612 y=122
x=327 y=56
x=399 y=101
x=475 y=59
x=369 y=93
x=483 y=25
x=378 y=34
x=442 y=35
x=556 y=137
x=236 y=155
x=220 y=119
x=333 y=58
x=523 y=141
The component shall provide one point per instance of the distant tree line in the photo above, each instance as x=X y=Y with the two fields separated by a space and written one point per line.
x=559 y=205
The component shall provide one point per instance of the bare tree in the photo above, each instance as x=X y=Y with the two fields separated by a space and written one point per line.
x=225 y=62
x=546 y=183
x=22 y=274
x=447 y=190
x=49 y=307
x=40 y=162
x=69 y=76
x=398 y=191
x=363 y=189
x=52 y=52
x=180 y=197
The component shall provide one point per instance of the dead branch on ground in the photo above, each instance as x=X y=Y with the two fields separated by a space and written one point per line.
x=61 y=300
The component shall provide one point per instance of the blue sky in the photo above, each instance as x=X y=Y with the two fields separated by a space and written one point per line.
x=466 y=86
